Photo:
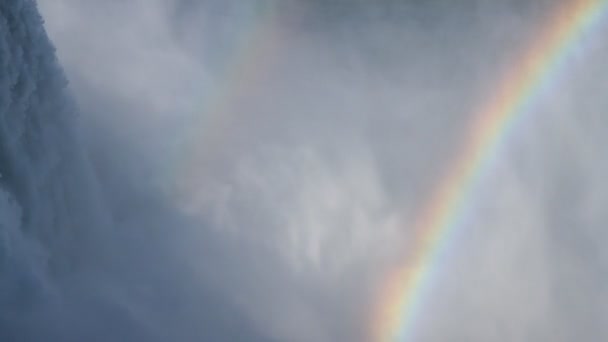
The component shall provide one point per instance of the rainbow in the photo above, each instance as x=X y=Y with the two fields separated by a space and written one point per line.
x=403 y=291
x=250 y=58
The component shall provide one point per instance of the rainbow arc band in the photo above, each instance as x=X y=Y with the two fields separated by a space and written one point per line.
x=252 y=57
x=404 y=290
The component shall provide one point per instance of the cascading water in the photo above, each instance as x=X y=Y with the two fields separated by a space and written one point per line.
x=49 y=194
x=50 y=210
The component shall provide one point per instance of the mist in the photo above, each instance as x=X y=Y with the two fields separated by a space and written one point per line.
x=231 y=171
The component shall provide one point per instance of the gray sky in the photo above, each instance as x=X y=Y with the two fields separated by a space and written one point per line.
x=275 y=164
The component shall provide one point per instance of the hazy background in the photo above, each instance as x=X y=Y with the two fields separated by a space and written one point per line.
x=261 y=169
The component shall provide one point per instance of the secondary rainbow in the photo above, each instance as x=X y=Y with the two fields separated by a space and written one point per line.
x=403 y=292
x=251 y=58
